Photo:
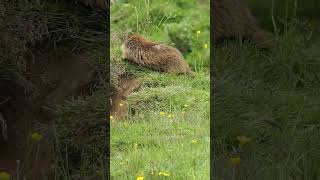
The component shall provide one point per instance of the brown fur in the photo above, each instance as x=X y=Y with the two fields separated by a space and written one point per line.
x=232 y=18
x=95 y=3
x=154 y=55
x=127 y=85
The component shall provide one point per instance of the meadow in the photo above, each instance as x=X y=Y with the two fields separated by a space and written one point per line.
x=265 y=103
x=265 y=111
x=165 y=134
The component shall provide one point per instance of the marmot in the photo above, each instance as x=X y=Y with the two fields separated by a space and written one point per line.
x=232 y=18
x=156 y=56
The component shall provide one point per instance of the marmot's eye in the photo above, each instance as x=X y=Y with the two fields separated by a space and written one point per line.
x=131 y=44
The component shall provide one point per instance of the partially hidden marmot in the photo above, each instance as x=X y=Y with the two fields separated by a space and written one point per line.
x=156 y=56
x=232 y=18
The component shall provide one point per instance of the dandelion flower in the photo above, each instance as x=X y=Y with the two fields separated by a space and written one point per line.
x=198 y=32
x=36 y=136
x=162 y=113
x=193 y=141
x=164 y=174
x=140 y=177
x=206 y=46
x=111 y=118
x=235 y=161
x=4 y=176
x=170 y=116
x=120 y=104
x=243 y=139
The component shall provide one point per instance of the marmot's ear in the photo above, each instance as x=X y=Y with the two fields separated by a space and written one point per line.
x=129 y=34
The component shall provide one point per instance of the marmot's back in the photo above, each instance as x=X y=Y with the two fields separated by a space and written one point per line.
x=154 y=55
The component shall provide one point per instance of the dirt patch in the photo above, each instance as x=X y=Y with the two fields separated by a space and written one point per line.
x=119 y=107
x=63 y=77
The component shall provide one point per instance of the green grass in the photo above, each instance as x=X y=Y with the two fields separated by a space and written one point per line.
x=273 y=98
x=79 y=138
x=284 y=11
x=77 y=134
x=146 y=142
x=164 y=144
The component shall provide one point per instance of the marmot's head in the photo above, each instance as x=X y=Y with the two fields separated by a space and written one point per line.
x=134 y=41
x=132 y=46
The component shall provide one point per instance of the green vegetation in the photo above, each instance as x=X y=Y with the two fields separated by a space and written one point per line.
x=77 y=134
x=272 y=99
x=166 y=132
x=285 y=10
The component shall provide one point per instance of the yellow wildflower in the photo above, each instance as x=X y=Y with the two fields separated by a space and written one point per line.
x=235 y=161
x=170 y=116
x=4 y=176
x=243 y=139
x=162 y=113
x=36 y=136
x=111 y=118
x=198 y=32
x=193 y=141
x=120 y=104
x=140 y=177
x=206 y=46
x=164 y=174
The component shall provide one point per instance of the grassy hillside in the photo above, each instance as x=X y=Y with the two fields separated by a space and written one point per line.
x=266 y=108
x=76 y=137
x=166 y=132
x=285 y=10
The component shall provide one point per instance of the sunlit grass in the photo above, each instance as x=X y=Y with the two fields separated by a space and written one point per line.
x=166 y=132
x=169 y=122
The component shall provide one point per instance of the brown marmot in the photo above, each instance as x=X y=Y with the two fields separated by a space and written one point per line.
x=232 y=18
x=156 y=56
x=95 y=3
